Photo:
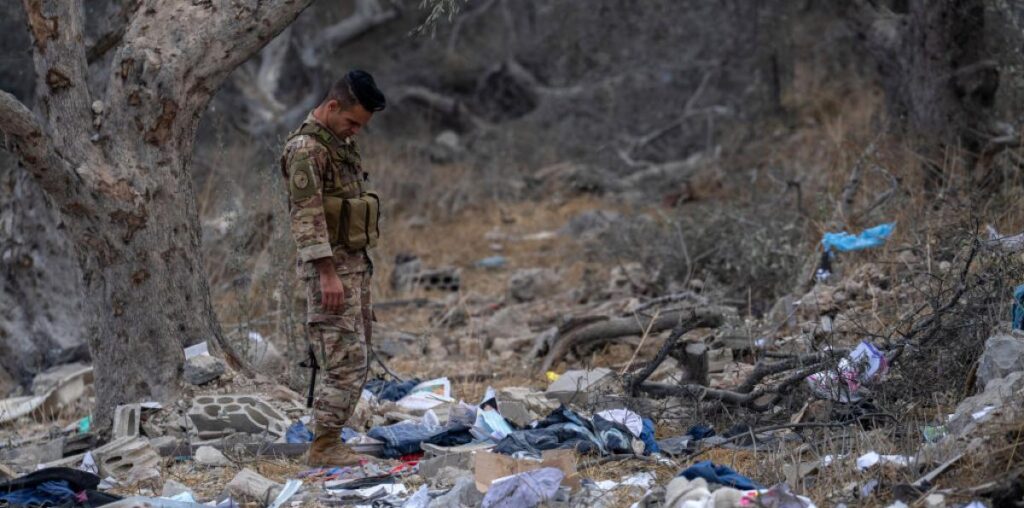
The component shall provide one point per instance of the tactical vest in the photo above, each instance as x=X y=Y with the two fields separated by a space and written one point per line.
x=352 y=214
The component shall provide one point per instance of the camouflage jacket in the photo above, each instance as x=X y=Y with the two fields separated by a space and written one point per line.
x=316 y=164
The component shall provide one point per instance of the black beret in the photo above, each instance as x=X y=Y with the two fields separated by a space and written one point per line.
x=365 y=90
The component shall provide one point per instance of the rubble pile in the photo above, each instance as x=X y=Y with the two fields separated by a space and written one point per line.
x=559 y=388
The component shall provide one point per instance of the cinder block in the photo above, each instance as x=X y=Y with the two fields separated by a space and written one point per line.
x=126 y=421
x=128 y=459
x=216 y=416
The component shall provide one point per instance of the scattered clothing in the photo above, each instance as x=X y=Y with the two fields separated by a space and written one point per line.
x=390 y=390
x=55 y=486
x=562 y=429
x=615 y=436
x=631 y=420
x=407 y=437
x=722 y=475
x=675 y=446
x=698 y=432
x=559 y=436
x=298 y=433
x=524 y=490
x=647 y=436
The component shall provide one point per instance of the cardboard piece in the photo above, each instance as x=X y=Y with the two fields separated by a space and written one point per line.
x=488 y=467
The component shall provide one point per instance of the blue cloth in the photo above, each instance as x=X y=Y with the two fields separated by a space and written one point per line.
x=49 y=493
x=1018 y=307
x=298 y=433
x=408 y=437
x=722 y=475
x=698 y=432
x=390 y=390
x=556 y=436
x=869 y=238
x=647 y=436
x=615 y=436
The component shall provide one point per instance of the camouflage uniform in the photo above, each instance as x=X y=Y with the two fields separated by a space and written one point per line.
x=318 y=164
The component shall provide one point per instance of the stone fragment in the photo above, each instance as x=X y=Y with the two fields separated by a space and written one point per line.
x=202 y=369
x=529 y=284
x=210 y=457
x=1003 y=354
x=573 y=383
x=249 y=484
x=980 y=408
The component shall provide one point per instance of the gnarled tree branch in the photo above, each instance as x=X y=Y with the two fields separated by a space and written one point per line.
x=34 y=148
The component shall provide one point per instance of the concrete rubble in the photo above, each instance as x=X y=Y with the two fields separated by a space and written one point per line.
x=581 y=434
x=202 y=369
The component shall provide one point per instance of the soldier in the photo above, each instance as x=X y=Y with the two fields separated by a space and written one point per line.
x=334 y=222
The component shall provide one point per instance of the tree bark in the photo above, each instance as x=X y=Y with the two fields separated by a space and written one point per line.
x=117 y=168
x=937 y=70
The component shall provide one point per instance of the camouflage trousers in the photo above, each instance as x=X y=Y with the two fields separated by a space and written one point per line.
x=341 y=347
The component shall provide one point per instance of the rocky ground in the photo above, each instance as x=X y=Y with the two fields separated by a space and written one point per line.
x=850 y=390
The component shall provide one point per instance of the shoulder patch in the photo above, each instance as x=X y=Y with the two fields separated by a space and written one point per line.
x=302 y=183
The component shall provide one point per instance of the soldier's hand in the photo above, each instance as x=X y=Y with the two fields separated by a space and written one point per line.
x=333 y=293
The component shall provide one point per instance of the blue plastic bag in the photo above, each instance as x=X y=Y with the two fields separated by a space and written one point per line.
x=867 y=239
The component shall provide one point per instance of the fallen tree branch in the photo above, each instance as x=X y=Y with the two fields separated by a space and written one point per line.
x=623 y=327
x=674 y=297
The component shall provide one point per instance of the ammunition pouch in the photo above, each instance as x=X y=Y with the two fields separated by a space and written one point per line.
x=353 y=223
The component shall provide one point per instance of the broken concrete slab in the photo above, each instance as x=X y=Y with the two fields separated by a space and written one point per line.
x=216 y=416
x=202 y=369
x=71 y=386
x=29 y=455
x=130 y=460
x=573 y=383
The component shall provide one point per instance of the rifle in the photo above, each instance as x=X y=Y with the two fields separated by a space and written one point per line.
x=311 y=364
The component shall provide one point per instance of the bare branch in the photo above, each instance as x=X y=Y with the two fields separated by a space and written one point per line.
x=444 y=104
x=35 y=150
x=368 y=14
x=622 y=327
x=208 y=40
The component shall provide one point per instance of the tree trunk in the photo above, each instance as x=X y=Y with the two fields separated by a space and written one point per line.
x=938 y=73
x=117 y=168
x=39 y=325
x=144 y=283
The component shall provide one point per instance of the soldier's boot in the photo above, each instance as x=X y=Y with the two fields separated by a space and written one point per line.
x=327 y=450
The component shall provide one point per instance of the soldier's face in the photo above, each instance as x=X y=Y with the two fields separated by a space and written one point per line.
x=345 y=122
